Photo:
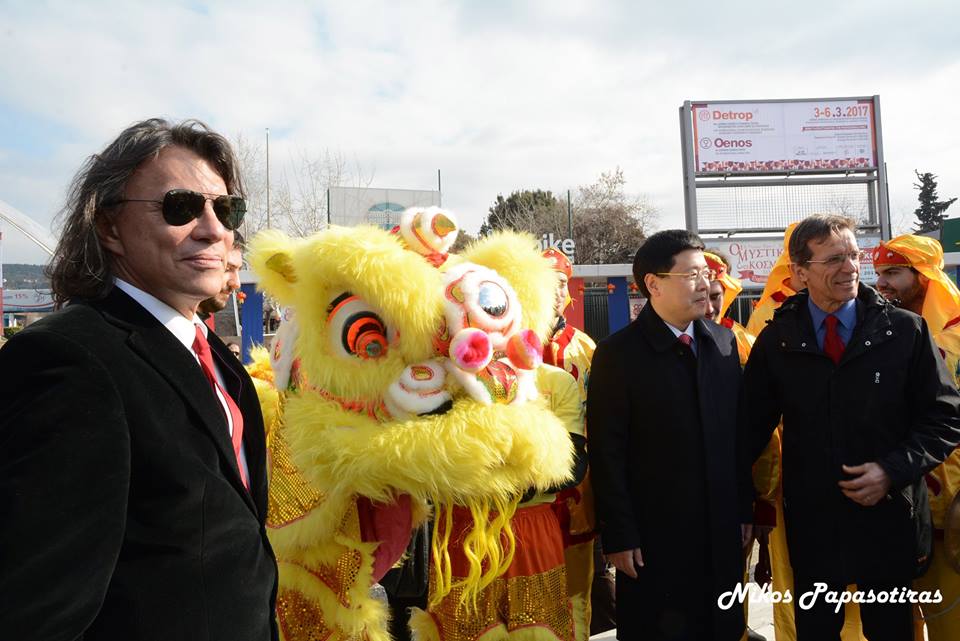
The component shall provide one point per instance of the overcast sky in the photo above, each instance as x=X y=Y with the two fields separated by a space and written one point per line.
x=497 y=95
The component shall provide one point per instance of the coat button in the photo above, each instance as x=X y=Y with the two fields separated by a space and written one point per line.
x=889 y=333
x=803 y=344
x=867 y=343
x=783 y=344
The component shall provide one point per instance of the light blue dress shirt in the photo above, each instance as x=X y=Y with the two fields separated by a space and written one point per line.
x=846 y=315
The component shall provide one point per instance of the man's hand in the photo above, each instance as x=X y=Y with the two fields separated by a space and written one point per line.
x=870 y=485
x=627 y=561
x=746 y=534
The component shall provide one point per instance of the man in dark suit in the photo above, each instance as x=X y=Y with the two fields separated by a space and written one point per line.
x=132 y=456
x=663 y=451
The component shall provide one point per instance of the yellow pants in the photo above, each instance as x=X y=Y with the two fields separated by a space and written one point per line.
x=579 y=561
x=783 y=621
x=943 y=619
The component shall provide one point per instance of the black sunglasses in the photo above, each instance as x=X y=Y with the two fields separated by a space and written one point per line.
x=180 y=206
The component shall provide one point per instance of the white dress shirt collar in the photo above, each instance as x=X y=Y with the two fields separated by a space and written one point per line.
x=688 y=331
x=178 y=325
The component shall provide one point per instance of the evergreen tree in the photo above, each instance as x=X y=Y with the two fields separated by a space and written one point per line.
x=930 y=213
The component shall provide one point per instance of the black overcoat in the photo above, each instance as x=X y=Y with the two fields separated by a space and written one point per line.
x=890 y=400
x=122 y=512
x=663 y=458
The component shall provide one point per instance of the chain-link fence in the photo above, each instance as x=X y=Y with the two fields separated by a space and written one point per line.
x=776 y=206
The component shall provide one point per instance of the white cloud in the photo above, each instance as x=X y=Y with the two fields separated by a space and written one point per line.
x=499 y=96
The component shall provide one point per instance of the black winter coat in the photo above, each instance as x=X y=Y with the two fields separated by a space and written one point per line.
x=890 y=401
x=663 y=461
x=122 y=512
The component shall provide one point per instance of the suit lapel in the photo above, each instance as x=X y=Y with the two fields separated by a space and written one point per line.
x=655 y=329
x=157 y=346
x=242 y=392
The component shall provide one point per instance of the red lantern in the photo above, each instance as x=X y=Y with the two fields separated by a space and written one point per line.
x=633 y=287
x=580 y=289
x=241 y=296
x=611 y=288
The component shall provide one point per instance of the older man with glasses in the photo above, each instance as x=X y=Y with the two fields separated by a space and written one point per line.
x=868 y=408
x=132 y=467
x=663 y=450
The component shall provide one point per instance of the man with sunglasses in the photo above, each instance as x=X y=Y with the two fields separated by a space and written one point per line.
x=662 y=413
x=868 y=408
x=132 y=467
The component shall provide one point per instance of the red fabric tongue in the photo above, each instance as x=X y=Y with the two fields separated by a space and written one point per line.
x=390 y=524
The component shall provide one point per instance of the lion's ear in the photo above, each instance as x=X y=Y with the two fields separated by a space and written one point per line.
x=271 y=256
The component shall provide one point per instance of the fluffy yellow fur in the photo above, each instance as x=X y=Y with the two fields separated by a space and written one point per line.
x=425 y=629
x=471 y=451
x=399 y=285
x=474 y=455
x=517 y=258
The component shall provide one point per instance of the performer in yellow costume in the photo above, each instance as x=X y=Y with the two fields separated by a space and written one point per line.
x=910 y=274
x=779 y=288
x=572 y=350
x=407 y=378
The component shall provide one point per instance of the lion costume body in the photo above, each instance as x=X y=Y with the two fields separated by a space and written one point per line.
x=406 y=378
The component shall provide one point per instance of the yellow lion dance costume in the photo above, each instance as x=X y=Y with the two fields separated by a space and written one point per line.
x=405 y=379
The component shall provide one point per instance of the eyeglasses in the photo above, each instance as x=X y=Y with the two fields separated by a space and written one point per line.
x=839 y=259
x=180 y=206
x=694 y=274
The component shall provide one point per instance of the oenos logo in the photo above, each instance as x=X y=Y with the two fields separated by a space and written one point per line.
x=732 y=144
x=706 y=143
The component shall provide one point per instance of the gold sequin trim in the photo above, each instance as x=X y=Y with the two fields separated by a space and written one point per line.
x=341 y=577
x=291 y=497
x=539 y=600
x=300 y=619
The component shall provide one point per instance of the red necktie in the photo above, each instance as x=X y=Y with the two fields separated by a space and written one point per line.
x=687 y=340
x=202 y=348
x=832 y=343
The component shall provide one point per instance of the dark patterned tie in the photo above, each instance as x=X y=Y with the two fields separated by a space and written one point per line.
x=687 y=340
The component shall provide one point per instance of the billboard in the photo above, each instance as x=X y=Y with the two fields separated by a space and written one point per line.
x=373 y=206
x=27 y=300
x=752 y=259
x=788 y=136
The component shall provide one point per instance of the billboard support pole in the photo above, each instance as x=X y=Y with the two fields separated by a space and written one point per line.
x=328 y=207
x=689 y=170
x=882 y=193
x=439 y=190
x=569 y=217
x=268 y=177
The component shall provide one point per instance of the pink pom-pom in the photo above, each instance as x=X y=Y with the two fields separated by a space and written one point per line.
x=525 y=350
x=471 y=349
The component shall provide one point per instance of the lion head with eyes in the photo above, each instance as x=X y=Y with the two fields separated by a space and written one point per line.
x=404 y=377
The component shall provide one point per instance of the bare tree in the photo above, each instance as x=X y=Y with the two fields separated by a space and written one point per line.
x=298 y=191
x=609 y=224
x=849 y=207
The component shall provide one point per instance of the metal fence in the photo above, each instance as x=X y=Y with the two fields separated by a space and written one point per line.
x=776 y=206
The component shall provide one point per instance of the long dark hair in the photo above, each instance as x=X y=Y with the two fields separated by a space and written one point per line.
x=80 y=267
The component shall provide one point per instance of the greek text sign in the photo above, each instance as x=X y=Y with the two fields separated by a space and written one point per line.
x=752 y=259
